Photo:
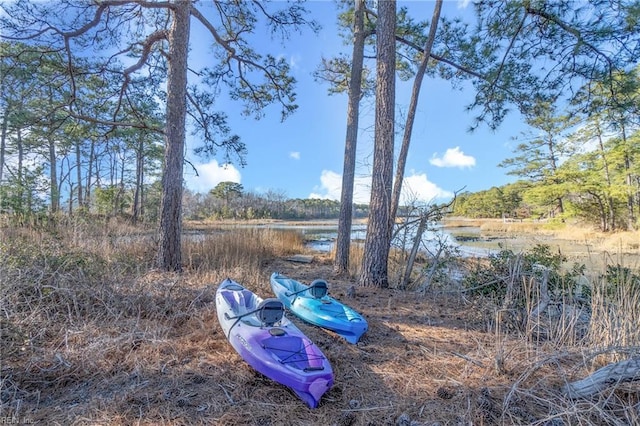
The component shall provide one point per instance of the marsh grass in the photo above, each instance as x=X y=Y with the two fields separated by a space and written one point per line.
x=614 y=326
x=93 y=334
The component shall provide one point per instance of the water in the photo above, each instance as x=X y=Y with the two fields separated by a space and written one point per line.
x=322 y=239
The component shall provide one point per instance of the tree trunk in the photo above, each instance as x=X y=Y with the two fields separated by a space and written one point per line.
x=53 y=177
x=3 y=138
x=119 y=207
x=343 y=240
x=631 y=216
x=25 y=205
x=378 y=239
x=411 y=114
x=79 y=174
x=607 y=177
x=169 y=253
x=88 y=183
x=554 y=167
x=113 y=166
x=602 y=211
x=137 y=195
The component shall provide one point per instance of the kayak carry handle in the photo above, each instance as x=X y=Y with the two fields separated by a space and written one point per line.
x=314 y=368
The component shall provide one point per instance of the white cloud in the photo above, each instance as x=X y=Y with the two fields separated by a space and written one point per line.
x=462 y=4
x=294 y=60
x=453 y=157
x=295 y=155
x=415 y=188
x=210 y=174
x=331 y=187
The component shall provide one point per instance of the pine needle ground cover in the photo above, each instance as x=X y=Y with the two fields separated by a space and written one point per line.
x=92 y=334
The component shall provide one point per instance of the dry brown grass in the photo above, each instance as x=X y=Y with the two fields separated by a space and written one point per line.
x=92 y=334
x=622 y=241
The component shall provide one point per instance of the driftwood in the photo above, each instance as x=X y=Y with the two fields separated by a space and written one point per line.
x=414 y=250
x=545 y=299
x=612 y=374
x=300 y=258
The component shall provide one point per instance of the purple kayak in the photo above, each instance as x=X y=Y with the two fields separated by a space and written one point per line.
x=270 y=343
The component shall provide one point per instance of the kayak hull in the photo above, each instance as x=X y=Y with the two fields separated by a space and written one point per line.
x=325 y=312
x=279 y=351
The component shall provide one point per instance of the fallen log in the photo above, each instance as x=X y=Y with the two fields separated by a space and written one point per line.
x=300 y=258
x=620 y=372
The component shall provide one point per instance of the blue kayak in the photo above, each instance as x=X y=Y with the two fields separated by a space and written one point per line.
x=312 y=304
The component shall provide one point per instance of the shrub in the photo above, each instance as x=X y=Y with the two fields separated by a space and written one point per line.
x=493 y=277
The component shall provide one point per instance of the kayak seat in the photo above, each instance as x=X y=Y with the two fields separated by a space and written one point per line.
x=270 y=311
x=318 y=289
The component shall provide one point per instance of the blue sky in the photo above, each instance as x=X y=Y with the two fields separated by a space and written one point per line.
x=302 y=157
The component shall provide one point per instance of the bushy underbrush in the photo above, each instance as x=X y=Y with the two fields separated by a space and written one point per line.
x=567 y=321
x=519 y=284
x=493 y=276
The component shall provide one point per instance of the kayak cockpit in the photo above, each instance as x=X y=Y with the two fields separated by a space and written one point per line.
x=242 y=304
x=294 y=351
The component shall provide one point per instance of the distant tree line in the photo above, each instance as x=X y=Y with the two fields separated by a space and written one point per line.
x=228 y=200
x=563 y=177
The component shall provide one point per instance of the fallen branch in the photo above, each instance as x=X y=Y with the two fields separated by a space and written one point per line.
x=466 y=358
x=545 y=299
x=367 y=408
x=619 y=372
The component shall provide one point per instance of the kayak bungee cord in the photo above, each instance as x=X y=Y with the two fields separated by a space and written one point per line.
x=294 y=353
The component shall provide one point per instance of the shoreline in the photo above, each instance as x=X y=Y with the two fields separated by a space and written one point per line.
x=570 y=238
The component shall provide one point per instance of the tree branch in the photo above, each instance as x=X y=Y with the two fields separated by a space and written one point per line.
x=114 y=123
x=147 y=45
x=441 y=59
x=613 y=374
x=204 y=21
x=574 y=32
